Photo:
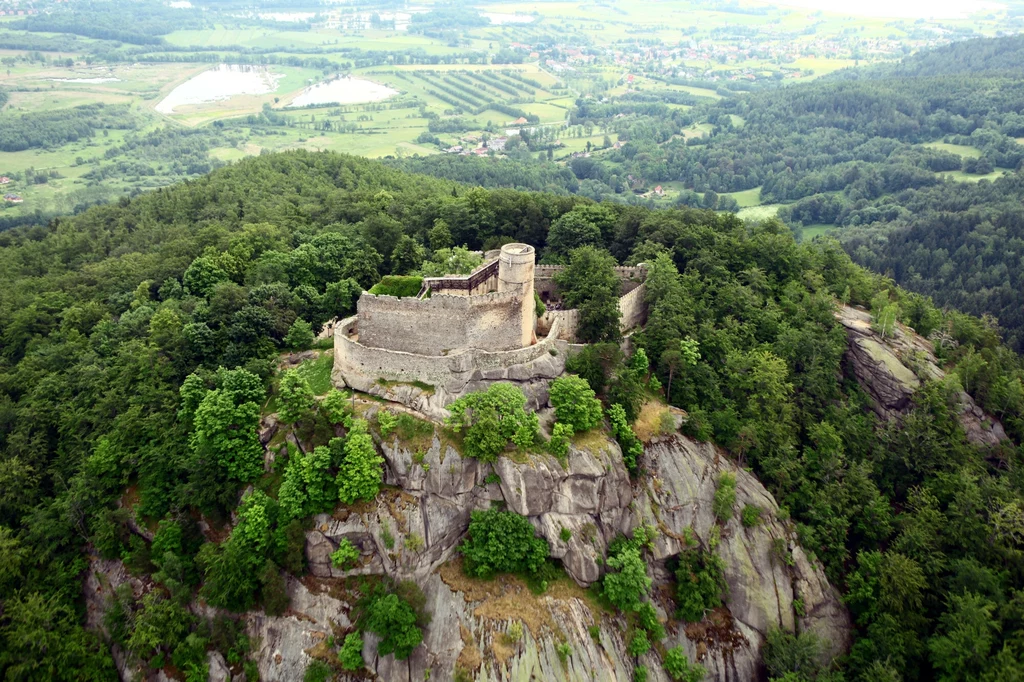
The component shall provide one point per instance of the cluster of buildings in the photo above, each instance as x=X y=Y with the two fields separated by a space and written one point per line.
x=474 y=146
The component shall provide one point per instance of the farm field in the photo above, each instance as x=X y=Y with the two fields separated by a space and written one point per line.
x=464 y=81
x=958 y=149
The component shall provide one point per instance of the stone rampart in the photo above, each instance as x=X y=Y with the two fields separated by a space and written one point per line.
x=632 y=311
x=358 y=364
x=443 y=323
x=633 y=308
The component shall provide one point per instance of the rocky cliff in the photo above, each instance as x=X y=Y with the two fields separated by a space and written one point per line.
x=891 y=368
x=412 y=531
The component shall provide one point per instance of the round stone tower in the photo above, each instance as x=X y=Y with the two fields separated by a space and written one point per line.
x=515 y=272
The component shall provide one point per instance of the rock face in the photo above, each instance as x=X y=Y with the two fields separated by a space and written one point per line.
x=532 y=378
x=764 y=567
x=500 y=630
x=880 y=366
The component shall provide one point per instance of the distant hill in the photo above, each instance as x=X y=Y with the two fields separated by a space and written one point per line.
x=978 y=56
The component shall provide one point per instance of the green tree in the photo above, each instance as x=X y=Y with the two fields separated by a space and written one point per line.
x=232 y=570
x=629 y=583
x=307 y=487
x=407 y=256
x=42 y=640
x=966 y=633
x=590 y=285
x=300 y=335
x=679 y=668
x=440 y=236
x=575 y=403
x=295 y=397
x=560 y=436
x=491 y=419
x=673 y=361
x=335 y=407
x=394 y=620
x=351 y=654
x=224 y=432
x=700 y=583
x=571 y=231
x=502 y=542
x=632 y=448
x=362 y=468
x=346 y=555
x=159 y=625
x=639 y=644
x=786 y=653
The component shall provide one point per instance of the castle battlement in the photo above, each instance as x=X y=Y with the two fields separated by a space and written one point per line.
x=463 y=331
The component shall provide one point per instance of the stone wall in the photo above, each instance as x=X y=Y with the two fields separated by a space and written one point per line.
x=544 y=279
x=632 y=308
x=355 y=362
x=442 y=323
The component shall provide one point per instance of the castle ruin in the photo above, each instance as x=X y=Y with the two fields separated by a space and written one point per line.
x=461 y=333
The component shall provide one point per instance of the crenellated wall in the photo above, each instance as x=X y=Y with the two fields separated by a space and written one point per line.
x=443 y=323
x=355 y=361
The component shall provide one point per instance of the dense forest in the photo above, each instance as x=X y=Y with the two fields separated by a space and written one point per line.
x=60 y=126
x=140 y=341
x=872 y=148
x=140 y=23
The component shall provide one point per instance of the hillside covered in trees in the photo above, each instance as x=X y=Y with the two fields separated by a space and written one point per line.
x=910 y=154
x=140 y=347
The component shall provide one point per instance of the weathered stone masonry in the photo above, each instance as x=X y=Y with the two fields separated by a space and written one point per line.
x=462 y=332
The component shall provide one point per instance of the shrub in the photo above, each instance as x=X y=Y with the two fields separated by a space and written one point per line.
x=559 y=444
x=351 y=654
x=625 y=587
x=679 y=668
x=273 y=590
x=786 y=653
x=699 y=584
x=361 y=471
x=725 y=497
x=295 y=397
x=317 y=671
x=394 y=620
x=631 y=446
x=638 y=643
x=502 y=542
x=515 y=631
x=750 y=516
x=398 y=285
x=346 y=555
x=575 y=403
x=491 y=419
x=640 y=673
x=387 y=422
x=565 y=534
x=300 y=335
x=647 y=618
x=335 y=407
